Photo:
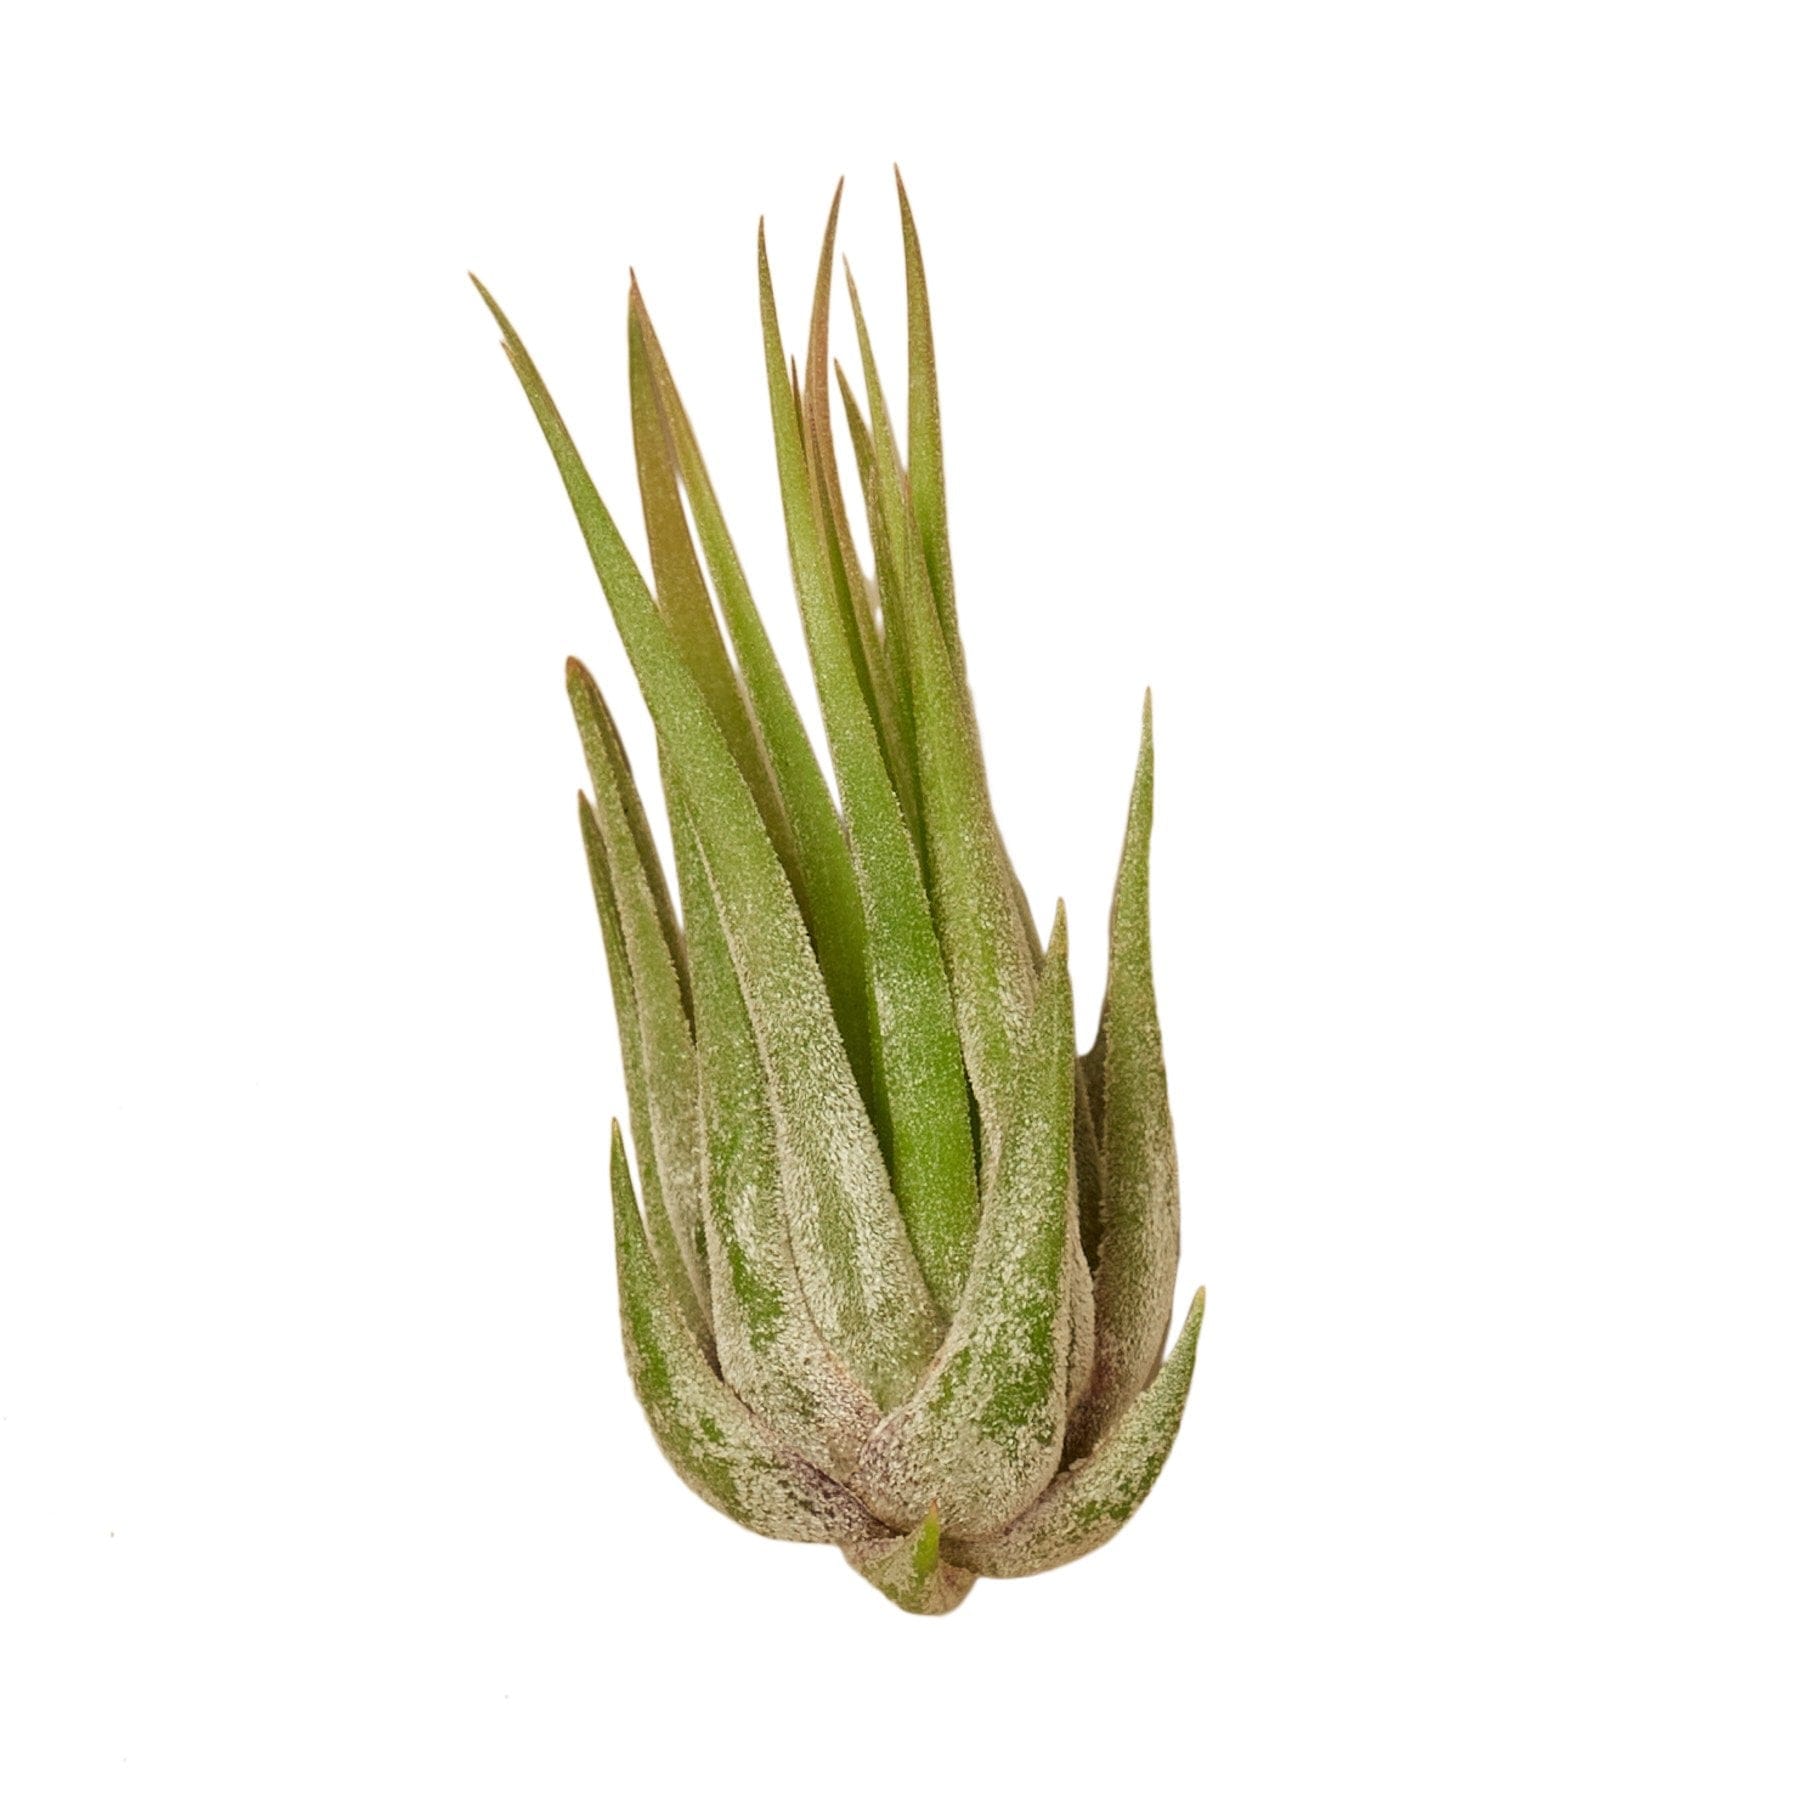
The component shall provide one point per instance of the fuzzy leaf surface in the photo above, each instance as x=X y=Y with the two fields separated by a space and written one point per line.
x=714 y=1442
x=682 y=593
x=857 y=1265
x=1091 y=1500
x=670 y=1074
x=770 y=1350
x=983 y=1435
x=987 y=955
x=820 y=874
x=917 y=1055
x=665 y=1241
x=1134 y=1280
x=910 y=1571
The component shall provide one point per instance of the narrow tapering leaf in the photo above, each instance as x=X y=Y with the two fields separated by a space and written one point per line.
x=925 y=439
x=839 y=552
x=1087 y=1503
x=983 y=1434
x=918 y=1065
x=973 y=893
x=823 y=882
x=861 y=1277
x=887 y=579
x=770 y=1350
x=682 y=593
x=1134 y=1280
x=670 y=1075
x=601 y=746
x=715 y=1443
x=909 y=1570
x=665 y=1237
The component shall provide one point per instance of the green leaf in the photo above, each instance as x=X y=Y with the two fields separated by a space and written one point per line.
x=1134 y=1280
x=861 y=1278
x=1087 y=1503
x=909 y=1570
x=973 y=894
x=682 y=593
x=665 y=1239
x=823 y=882
x=842 y=565
x=770 y=1351
x=600 y=740
x=918 y=1063
x=983 y=1435
x=670 y=1077
x=925 y=440
x=887 y=584
x=713 y=1440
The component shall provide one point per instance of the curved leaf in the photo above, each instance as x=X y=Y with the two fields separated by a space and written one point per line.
x=862 y=1280
x=682 y=594
x=1134 y=1279
x=769 y=1348
x=974 y=899
x=665 y=1239
x=983 y=1435
x=917 y=1055
x=670 y=1079
x=909 y=1570
x=712 y=1439
x=1088 y=1503
x=823 y=883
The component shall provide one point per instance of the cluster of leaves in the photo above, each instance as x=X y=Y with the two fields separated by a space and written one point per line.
x=905 y=1264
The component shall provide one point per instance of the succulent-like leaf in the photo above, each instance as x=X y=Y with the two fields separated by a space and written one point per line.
x=919 y=1079
x=1088 y=1502
x=984 y=1433
x=887 y=585
x=925 y=440
x=714 y=1441
x=973 y=894
x=682 y=593
x=1134 y=1282
x=669 y=1074
x=861 y=1278
x=770 y=1350
x=665 y=1240
x=842 y=567
x=600 y=739
x=909 y=1570
x=823 y=882
x=906 y=1260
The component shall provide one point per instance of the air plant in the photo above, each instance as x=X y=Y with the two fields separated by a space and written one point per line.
x=903 y=1272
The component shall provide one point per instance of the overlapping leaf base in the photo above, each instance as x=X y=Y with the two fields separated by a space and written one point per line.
x=904 y=1266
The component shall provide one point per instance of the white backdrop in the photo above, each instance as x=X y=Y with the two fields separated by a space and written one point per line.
x=1408 y=392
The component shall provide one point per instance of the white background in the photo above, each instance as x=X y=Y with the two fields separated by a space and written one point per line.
x=1409 y=392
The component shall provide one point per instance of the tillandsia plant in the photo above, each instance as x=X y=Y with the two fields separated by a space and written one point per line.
x=903 y=1273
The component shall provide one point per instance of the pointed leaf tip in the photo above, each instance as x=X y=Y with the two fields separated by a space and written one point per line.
x=1089 y=1501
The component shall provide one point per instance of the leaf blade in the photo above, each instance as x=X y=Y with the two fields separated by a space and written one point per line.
x=974 y=898
x=1089 y=1503
x=709 y=1436
x=916 y=1051
x=1140 y=1216
x=910 y=1571
x=822 y=880
x=670 y=1076
x=925 y=439
x=982 y=1436
x=665 y=1239
x=770 y=1349
x=862 y=1279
